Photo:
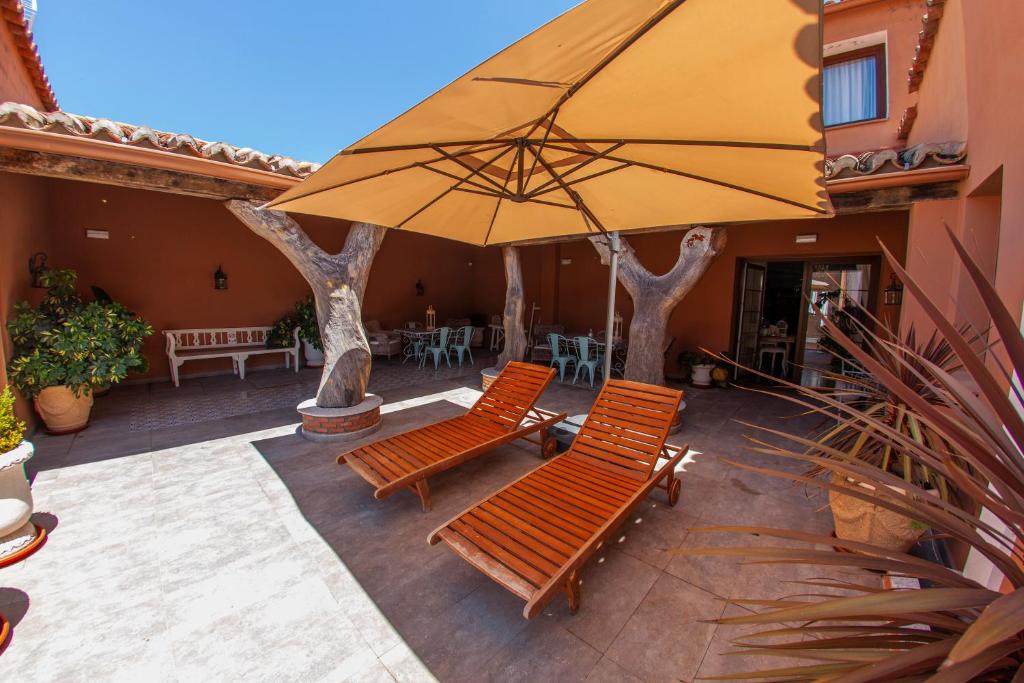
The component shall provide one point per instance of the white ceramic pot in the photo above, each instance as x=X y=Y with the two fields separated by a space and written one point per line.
x=702 y=374
x=314 y=358
x=16 y=531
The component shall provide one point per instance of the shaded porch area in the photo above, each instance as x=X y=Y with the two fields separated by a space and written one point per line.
x=170 y=522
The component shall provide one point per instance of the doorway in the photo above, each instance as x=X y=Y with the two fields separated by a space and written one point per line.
x=781 y=308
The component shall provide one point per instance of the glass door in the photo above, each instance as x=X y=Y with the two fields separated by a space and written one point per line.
x=752 y=279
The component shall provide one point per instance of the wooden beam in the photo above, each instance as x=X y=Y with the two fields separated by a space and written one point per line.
x=129 y=175
x=891 y=198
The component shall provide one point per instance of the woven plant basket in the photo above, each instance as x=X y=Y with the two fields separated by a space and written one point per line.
x=860 y=520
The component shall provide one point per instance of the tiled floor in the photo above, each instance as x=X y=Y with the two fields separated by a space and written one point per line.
x=185 y=548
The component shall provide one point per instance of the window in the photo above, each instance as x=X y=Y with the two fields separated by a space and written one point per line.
x=854 y=86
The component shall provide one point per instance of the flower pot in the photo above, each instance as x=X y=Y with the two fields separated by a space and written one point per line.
x=702 y=374
x=17 y=533
x=314 y=358
x=487 y=377
x=865 y=522
x=62 y=411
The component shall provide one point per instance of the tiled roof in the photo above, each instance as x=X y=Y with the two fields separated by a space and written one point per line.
x=16 y=115
x=925 y=43
x=891 y=160
x=12 y=14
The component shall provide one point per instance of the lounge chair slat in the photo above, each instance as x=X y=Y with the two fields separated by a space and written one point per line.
x=498 y=417
x=540 y=528
x=576 y=500
x=501 y=554
x=487 y=564
x=526 y=547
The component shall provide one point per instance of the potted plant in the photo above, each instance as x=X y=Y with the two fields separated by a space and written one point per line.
x=701 y=366
x=64 y=348
x=304 y=318
x=17 y=533
x=685 y=367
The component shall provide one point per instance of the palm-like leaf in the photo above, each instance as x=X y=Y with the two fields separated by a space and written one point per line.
x=947 y=416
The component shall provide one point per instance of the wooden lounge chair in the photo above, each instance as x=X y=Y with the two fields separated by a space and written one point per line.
x=534 y=536
x=504 y=413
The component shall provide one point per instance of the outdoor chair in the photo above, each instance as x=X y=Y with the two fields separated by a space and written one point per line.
x=561 y=353
x=588 y=357
x=504 y=413
x=535 y=535
x=462 y=342
x=772 y=351
x=438 y=346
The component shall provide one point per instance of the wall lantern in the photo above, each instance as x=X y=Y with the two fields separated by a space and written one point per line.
x=220 y=279
x=894 y=292
x=36 y=268
x=420 y=289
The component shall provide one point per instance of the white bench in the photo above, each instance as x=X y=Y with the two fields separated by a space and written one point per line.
x=236 y=343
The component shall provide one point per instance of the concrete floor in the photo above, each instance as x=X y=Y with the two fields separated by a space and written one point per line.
x=230 y=548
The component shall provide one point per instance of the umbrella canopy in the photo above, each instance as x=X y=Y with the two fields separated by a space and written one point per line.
x=614 y=116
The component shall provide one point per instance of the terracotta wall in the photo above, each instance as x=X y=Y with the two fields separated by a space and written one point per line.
x=15 y=83
x=902 y=21
x=163 y=251
x=23 y=231
x=577 y=290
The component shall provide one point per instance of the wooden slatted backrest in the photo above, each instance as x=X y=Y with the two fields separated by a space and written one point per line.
x=512 y=394
x=627 y=426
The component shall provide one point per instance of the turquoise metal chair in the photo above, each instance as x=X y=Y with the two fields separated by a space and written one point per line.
x=587 y=356
x=437 y=347
x=562 y=352
x=463 y=337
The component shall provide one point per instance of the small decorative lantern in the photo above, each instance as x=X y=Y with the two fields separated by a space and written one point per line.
x=36 y=268
x=431 y=317
x=894 y=292
x=617 y=327
x=220 y=279
x=420 y=289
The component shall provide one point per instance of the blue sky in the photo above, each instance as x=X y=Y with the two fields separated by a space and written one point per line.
x=303 y=81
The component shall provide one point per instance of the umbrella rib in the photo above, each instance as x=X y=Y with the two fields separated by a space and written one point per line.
x=532 y=201
x=385 y=172
x=705 y=179
x=497 y=205
x=585 y=178
x=785 y=146
x=578 y=166
x=573 y=195
x=466 y=180
x=551 y=124
x=474 y=171
x=445 y=193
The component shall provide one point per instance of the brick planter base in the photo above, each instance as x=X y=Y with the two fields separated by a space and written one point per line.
x=340 y=424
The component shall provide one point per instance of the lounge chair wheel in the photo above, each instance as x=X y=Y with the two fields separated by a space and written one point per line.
x=673 y=492
x=548 y=448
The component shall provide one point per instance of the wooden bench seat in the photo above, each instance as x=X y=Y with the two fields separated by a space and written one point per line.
x=236 y=343
x=504 y=413
x=534 y=535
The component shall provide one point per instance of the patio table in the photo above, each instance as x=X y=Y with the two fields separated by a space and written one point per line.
x=413 y=342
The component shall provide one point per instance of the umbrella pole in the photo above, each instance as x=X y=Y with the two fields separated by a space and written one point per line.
x=613 y=274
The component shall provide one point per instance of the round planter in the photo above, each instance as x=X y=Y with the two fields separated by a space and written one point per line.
x=314 y=358
x=702 y=374
x=18 y=535
x=62 y=411
x=340 y=424
x=865 y=522
x=487 y=377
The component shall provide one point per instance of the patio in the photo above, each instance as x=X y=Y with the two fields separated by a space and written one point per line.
x=184 y=548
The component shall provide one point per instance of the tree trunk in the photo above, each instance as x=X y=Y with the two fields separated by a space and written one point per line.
x=338 y=282
x=515 y=338
x=656 y=296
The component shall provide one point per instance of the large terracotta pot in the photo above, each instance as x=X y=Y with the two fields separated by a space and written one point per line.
x=16 y=531
x=62 y=411
x=860 y=520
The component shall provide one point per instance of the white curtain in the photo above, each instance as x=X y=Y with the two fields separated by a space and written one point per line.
x=850 y=91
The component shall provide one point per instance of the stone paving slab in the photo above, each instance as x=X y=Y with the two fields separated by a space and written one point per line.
x=227 y=547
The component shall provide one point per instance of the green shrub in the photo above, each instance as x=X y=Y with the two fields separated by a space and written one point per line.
x=304 y=318
x=12 y=430
x=66 y=342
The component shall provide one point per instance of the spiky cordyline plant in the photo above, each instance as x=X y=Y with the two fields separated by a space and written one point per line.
x=955 y=629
